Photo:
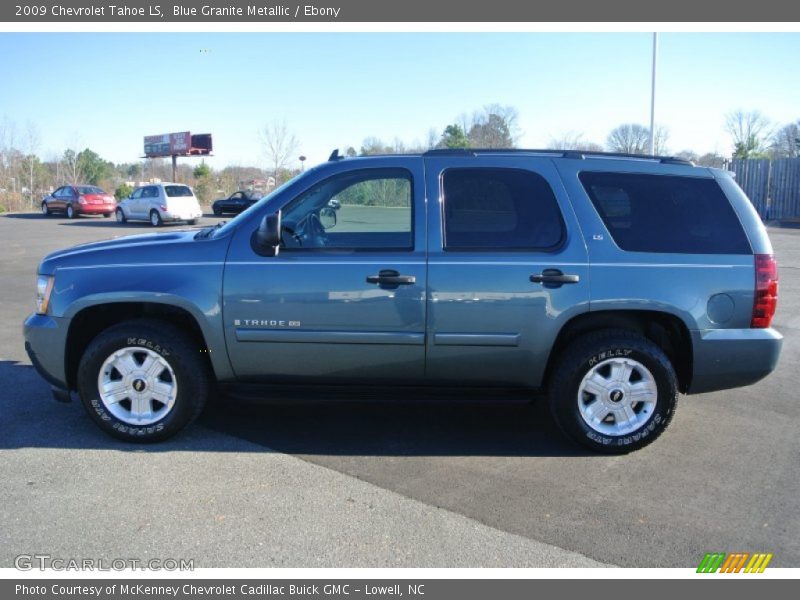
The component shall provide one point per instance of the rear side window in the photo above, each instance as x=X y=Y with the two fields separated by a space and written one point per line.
x=666 y=213
x=177 y=190
x=508 y=209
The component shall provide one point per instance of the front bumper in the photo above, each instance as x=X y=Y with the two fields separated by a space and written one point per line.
x=45 y=343
x=731 y=358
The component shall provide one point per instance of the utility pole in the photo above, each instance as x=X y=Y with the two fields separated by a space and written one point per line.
x=653 y=97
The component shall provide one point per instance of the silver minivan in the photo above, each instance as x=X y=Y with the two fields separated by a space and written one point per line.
x=160 y=203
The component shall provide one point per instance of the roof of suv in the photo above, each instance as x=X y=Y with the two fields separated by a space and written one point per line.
x=571 y=154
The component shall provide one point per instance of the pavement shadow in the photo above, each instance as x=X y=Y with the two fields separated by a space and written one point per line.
x=302 y=423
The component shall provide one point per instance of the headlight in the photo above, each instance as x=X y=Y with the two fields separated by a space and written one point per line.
x=44 y=287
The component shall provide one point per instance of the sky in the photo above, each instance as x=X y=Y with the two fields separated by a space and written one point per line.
x=105 y=91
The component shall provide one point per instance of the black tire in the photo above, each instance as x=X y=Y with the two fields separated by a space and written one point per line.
x=46 y=209
x=158 y=221
x=217 y=212
x=121 y=218
x=591 y=350
x=70 y=212
x=176 y=348
x=191 y=222
x=106 y=215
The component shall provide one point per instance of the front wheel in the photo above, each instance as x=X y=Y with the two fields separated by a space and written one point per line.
x=613 y=391
x=143 y=380
x=155 y=218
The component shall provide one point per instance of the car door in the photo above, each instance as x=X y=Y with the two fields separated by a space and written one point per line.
x=68 y=196
x=507 y=268
x=56 y=201
x=346 y=303
x=133 y=203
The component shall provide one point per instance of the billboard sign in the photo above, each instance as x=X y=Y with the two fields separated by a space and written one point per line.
x=168 y=144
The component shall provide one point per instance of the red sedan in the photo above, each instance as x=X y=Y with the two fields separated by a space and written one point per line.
x=74 y=200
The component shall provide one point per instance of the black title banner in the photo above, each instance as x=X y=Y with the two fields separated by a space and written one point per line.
x=154 y=11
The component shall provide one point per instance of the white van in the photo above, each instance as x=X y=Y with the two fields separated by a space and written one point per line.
x=160 y=203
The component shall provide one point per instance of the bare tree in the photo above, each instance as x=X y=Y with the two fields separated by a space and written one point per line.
x=632 y=138
x=786 y=141
x=280 y=145
x=573 y=141
x=71 y=170
x=749 y=131
x=32 y=142
x=495 y=126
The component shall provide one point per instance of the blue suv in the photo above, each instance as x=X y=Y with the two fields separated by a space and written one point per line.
x=612 y=282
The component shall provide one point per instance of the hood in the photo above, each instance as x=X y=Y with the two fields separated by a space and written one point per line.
x=154 y=248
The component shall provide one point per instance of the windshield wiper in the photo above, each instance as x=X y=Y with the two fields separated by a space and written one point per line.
x=207 y=231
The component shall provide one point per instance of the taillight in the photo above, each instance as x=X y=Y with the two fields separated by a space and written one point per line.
x=766 y=298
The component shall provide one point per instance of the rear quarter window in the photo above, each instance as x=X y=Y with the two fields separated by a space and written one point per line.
x=177 y=190
x=666 y=213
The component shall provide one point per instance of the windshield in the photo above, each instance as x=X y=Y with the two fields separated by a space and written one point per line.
x=233 y=223
x=177 y=190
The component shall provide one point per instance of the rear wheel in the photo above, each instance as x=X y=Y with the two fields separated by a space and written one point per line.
x=120 y=215
x=155 y=219
x=143 y=380
x=45 y=209
x=70 y=212
x=613 y=391
x=217 y=211
x=106 y=215
x=192 y=221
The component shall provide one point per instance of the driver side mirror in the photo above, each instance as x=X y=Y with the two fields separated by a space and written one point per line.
x=327 y=217
x=267 y=238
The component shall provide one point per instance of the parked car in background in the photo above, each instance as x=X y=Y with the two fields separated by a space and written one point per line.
x=235 y=203
x=74 y=200
x=160 y=203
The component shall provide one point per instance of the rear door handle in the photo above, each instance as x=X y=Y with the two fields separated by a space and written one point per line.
x=391 y=277
x=554 y=277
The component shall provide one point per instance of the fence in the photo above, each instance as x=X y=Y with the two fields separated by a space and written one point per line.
x=773 y=186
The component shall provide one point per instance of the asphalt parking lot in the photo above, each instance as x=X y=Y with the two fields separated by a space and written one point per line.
x=475 y=483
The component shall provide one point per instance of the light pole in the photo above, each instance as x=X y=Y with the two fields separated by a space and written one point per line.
x=653 y=97
x=302 y=164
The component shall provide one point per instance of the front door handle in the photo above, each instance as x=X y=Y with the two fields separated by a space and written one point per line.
x=554 y=277
x=391 y=277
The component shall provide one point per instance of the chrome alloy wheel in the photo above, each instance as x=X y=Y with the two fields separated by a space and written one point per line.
x=137 y=386
x=617 y=396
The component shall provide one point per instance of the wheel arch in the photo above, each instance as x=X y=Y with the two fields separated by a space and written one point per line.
x=664 y=329
x=88 y=322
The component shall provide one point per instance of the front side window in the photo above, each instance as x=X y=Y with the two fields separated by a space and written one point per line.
x=490 y=209
x=137 y=193
x=666 y=213
x=366 y=209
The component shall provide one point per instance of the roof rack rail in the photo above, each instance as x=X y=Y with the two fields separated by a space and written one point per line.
x=574 y=154
x=450 y=152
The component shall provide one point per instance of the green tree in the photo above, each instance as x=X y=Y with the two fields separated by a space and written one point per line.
x=453 y=137
x=93 y=168
x=123 y=191
x=202 y=170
